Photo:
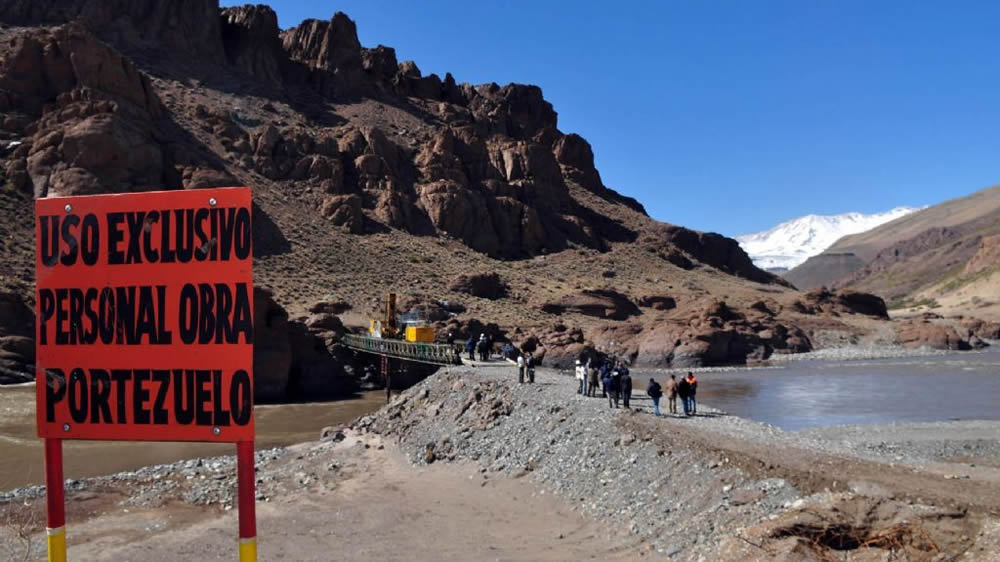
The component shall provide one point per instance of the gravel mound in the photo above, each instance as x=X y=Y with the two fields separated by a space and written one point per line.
x=676 y=501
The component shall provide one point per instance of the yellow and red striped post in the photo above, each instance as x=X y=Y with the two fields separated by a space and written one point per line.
x=247 y=496
x=55 y=501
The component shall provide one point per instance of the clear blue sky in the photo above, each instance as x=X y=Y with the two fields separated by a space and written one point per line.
x=732 y=116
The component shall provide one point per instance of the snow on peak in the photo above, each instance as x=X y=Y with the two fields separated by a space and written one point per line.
x=793 y=242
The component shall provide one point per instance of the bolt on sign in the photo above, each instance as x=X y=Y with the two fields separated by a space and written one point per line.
x=144 y=328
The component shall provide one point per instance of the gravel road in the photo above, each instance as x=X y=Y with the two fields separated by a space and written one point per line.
x=711 y=487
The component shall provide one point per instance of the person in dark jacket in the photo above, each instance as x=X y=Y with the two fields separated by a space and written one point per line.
x=610 y=390
x=692 y=391
x=605 y=373
x=654 y=392
x=470 y=347
x=625 y=384
x=684 y=391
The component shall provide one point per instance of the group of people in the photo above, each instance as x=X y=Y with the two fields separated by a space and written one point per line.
x=613 y=377
x=483 y=346
x=616 y=385
x=686 y=389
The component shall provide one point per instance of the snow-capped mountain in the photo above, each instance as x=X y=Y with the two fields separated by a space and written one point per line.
x=793 y=242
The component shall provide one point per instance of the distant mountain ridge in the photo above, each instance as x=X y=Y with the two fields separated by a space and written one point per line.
x=793 y=242
x=945 y=257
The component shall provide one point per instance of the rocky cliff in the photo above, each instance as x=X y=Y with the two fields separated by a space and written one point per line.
x=368 y=176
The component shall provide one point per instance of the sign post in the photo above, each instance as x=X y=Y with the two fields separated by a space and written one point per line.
x=144 y=329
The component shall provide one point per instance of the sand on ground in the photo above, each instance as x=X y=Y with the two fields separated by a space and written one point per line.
x=385 y=509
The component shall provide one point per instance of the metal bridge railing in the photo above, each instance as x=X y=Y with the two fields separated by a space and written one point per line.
x=434 y=353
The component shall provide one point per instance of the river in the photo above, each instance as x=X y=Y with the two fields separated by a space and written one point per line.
x=794 y=395
x=21 y=451
x=802 y=394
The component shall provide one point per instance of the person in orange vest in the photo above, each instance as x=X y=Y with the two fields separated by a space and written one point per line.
x=692 y=390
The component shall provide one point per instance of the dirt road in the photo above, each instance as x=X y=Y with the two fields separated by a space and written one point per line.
x=374 y=506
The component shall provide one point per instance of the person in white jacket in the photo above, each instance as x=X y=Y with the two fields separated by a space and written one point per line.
x=581 y=375
x=521 y=365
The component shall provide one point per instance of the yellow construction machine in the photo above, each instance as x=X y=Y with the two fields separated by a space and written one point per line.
x=409 y=328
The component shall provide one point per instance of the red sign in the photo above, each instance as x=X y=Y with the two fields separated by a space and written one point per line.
x=144 y=314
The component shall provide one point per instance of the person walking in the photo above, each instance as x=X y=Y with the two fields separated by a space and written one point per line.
x=520 y=368
x=625 y=384
x=482 y=347
x=654 y=391
x=581 y=377
x=684 y=390
x=470 y=347
x=530 y=363
x=693 y=390
x=672 y=394
x=609 y=390
x=605 y=373
x=593 y=381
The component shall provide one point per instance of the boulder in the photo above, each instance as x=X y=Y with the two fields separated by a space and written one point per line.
x=919 y=332
x=344 y=211
x=483 y=285
x=982 y=329
x=845 y=302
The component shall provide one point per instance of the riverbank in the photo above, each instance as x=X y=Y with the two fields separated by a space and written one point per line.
x=537 y=472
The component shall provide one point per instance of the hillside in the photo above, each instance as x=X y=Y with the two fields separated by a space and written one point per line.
x=945 y=257
x=792 y=242
x=368 y=177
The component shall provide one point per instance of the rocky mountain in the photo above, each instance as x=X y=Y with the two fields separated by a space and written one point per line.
x=793 y=242
x=943 y=257
x=368 y=177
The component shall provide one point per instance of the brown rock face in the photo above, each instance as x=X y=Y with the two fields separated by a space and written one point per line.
x=317 y=366
x=715 y=250
x=272 y=350
x=17 y=339
x=601 y=303
x=843 y=302
x=710 y=334
x=981 y=328
x=924 y=332
x=344 y=211
x=482 y=285
x=191 y=27
x=250 y=38
x=96 y=132
x=332 y=53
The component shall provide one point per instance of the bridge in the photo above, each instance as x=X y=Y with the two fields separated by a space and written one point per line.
x=431 y=353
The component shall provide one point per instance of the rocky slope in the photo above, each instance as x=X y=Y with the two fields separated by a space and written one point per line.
x=944 y=256
x=368 y=177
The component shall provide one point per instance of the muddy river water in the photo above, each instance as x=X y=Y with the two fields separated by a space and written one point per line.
x=21 y=450
x=795 y=395
x=802 y=394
